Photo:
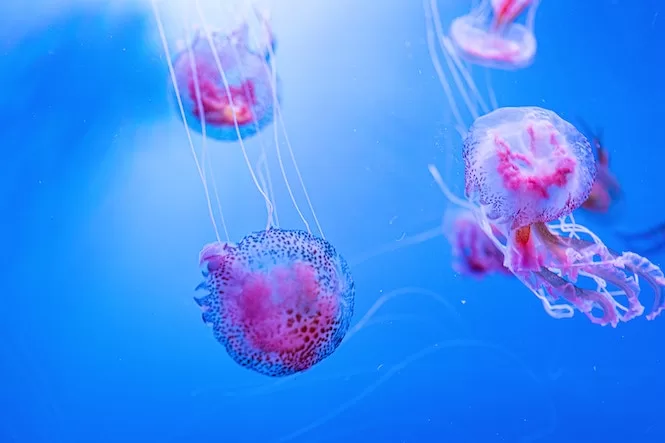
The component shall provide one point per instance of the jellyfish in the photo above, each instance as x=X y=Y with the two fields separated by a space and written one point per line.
x=473 y=251
x=526 y=170
x=225 y=81
x=489 y=35
x=226 y=87
x=279 y=301
x=606 y=188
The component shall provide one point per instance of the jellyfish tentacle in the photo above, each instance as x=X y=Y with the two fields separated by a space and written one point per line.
x=645 y=269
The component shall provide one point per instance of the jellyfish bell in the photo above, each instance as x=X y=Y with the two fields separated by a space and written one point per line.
x=243 y=94
x=225 y=82
x=527 y=165
x=489 y=36
x=280 y=301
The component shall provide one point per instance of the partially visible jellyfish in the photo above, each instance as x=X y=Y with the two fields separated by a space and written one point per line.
x=606 y=188
x=526 y=168
x=490 y=36
x=473 y=251
x=279 y=301
x=648 y=241
x=505 y=11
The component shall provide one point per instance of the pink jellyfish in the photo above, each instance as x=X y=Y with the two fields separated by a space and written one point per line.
x=473 y=251
x=606 y=188
x=280 y=301
x=225 y=82
x=526 y=168
x=489 y=35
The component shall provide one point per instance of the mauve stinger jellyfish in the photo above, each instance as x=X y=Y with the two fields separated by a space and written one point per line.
x=526 y=168
x=606 y=188
x=279 y=301
x=474 y=252
x=490 y=36
x=225 y=81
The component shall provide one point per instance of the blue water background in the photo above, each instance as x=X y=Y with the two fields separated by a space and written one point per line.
x=103 y=216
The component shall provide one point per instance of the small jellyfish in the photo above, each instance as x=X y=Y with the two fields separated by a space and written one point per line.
x=280 y=301
x=474 y=252
x=226 y=86
x=226 y=83
x=526 y=168
x=606 y=189
x=489 y=35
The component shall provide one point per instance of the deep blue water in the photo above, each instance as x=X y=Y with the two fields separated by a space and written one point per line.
x=103 y=216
